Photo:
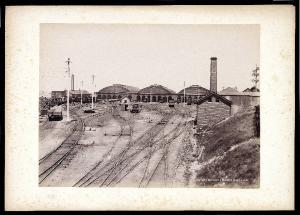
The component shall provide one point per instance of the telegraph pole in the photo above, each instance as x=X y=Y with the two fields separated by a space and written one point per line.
x=183 y=92
x=93 y=77
x=81 y=93
x=68 y=89
x=150 y=99
x=95 y=94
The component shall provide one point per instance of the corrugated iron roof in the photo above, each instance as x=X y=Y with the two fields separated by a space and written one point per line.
x=156 y=89
x=194 y=90
x=118 y=88
x=229 y=91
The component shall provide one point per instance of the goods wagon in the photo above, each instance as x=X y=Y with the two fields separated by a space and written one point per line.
x=55 y=113
x=171 y=103
x=135 y=108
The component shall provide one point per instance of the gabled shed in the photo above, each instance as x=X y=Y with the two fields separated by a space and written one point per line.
x=125 y=100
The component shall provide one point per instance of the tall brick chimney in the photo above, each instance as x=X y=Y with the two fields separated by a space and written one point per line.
x=213 y=74
x=72 y=82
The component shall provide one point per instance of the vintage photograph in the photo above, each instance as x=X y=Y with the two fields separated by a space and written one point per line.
x=149 y=105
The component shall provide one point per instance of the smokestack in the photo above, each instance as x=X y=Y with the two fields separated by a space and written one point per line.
x=72 y=82
x=213 y=74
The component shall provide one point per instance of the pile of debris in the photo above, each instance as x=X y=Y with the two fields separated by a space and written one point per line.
x=44 y=103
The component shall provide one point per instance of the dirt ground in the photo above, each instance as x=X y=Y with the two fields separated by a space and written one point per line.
x=152 y=148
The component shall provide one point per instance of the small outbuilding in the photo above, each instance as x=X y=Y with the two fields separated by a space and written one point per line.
x=125 y=101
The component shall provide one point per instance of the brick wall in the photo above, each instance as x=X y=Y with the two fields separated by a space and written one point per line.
x=209 y=113
x=213 y=74
x=242 y=102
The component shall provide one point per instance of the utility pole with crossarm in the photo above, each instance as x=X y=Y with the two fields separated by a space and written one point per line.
x=68 y=89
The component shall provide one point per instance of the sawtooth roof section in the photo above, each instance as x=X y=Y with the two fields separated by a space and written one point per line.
x=211 y=94
x=194 y=90
x=156 y=89
x=118 y=88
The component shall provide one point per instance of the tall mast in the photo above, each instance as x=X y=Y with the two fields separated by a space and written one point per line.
x=183 y=92
x=93 y=77
x=81 y=92
x=68 y=89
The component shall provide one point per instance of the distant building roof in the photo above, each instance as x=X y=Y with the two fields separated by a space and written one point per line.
x=211 y=94
x=252 y=89
x=118 y=88
x=79 y=92
x=56 y=94
x=156 y=89
x=230 y=91
x=58 y=91
x=250 y=93
x=194 y=90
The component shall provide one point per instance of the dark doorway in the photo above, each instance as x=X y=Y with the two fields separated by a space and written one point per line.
x=159 y=98
x=153 y=98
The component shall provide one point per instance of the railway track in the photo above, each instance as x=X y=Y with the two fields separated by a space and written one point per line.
x=106 y=173
x=54 y=159
x=135 y=153
x=162 y=151
x=51 y=152
x=131 y=156
x=90 y=174
x=94 y=174
x=153 y=147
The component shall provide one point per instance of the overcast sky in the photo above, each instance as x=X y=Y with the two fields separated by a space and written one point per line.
x=141 y=55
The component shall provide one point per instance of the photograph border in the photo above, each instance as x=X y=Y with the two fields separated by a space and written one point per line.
x=50 y=192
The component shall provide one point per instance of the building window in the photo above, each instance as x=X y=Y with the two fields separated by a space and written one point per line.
x=217 y=100
x=209 y=99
